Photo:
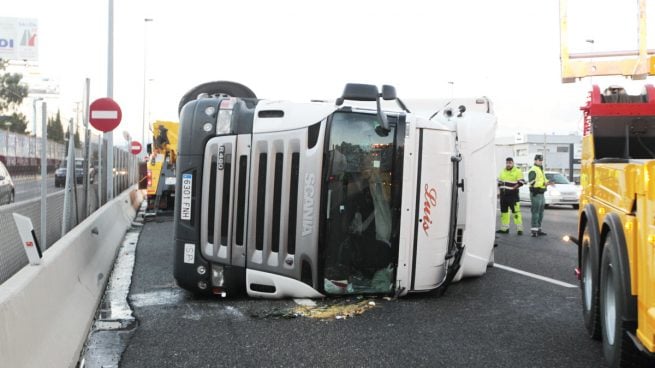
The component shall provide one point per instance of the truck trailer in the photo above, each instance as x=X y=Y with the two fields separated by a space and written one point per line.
x=308 y=199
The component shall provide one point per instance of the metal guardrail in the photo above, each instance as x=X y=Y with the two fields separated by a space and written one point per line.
x=12 y=256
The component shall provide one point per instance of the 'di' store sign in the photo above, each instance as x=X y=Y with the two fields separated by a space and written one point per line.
x=18 y=39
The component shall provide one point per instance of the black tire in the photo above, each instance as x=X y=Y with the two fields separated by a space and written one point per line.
x=618 y=348
x=12 y=197
x=217 y=88
x=589 y=261
x=575 y=206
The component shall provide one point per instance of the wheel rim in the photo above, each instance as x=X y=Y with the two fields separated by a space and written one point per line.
x=587 y=280
x=609 y=313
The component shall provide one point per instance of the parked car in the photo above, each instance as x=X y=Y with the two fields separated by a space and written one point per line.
x=7 y=190
x=60 y=173
x=560 y=192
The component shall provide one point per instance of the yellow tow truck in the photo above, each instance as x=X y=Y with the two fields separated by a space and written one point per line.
x=616 y=224
x=161 y=166
x=616 y=217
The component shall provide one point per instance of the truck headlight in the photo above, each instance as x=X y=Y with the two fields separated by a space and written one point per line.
x=224 y=122
x=218 y=278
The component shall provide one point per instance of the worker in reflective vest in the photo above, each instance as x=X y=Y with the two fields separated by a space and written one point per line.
x=510 y=179
x=537 y=180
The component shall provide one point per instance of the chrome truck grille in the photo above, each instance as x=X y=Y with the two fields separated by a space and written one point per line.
x=255 y=212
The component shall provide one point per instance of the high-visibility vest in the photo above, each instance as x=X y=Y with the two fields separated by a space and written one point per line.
x=509 y=178
x=539 y=179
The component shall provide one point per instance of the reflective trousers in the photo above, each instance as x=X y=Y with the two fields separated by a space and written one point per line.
x=505 y=209
x=538 y=203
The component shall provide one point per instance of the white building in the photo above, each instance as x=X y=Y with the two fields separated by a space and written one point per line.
x=558 y=150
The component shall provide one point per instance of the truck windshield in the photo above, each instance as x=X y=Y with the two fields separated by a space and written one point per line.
x=359 y=254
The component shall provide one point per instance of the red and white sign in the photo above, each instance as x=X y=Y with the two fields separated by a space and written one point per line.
x=105 y=114
x=135 y=147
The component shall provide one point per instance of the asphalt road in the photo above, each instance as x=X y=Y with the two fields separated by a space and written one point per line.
x=503 y=319
x=28 y=188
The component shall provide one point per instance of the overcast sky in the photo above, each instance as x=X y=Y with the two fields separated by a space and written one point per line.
x=507 y=50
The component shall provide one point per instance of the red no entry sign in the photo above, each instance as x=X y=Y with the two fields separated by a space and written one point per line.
x=105 y=114
x=135 y=147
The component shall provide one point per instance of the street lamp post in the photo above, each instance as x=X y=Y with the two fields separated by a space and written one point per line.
x=145 y=77
x=34 y=101
x=7 y=124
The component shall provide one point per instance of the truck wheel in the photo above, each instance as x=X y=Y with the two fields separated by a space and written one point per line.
x=589 y=283
x=618 y=348
x=217 y=88
x=575 y=206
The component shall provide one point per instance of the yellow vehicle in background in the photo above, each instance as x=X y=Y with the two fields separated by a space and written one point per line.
x=161 y=166
x=616 y=226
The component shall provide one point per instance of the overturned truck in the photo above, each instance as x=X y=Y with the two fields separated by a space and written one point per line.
x=282 y=199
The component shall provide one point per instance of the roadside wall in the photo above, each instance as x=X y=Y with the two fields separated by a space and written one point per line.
x=46 y=310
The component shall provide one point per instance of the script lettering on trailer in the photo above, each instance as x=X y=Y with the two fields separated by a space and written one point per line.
x=430 y=195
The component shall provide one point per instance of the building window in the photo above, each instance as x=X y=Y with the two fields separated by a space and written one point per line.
x=563 y=149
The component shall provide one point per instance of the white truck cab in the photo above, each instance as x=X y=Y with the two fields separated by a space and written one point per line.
x=283 y=199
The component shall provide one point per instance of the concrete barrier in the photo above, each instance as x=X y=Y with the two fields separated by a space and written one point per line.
x=47 y=310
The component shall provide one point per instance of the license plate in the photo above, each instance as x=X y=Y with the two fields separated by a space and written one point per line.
x=185 y=203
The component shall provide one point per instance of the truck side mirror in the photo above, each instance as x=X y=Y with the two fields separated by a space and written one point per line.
x=388 y=92
x=149 y=148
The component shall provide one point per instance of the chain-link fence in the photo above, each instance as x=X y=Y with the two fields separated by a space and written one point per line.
x=71 y=194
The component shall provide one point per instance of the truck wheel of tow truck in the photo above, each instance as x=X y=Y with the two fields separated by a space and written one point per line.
x=231 y=89
x=590 y=274
x=618 y=348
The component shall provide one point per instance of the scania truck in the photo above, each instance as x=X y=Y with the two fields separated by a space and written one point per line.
x=287 y=199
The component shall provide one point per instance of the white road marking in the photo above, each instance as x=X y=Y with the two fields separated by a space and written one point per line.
x=535 y=276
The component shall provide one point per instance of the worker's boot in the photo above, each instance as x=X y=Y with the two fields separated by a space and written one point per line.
x=534 y=233
x=501 y=231
x=541 y=233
